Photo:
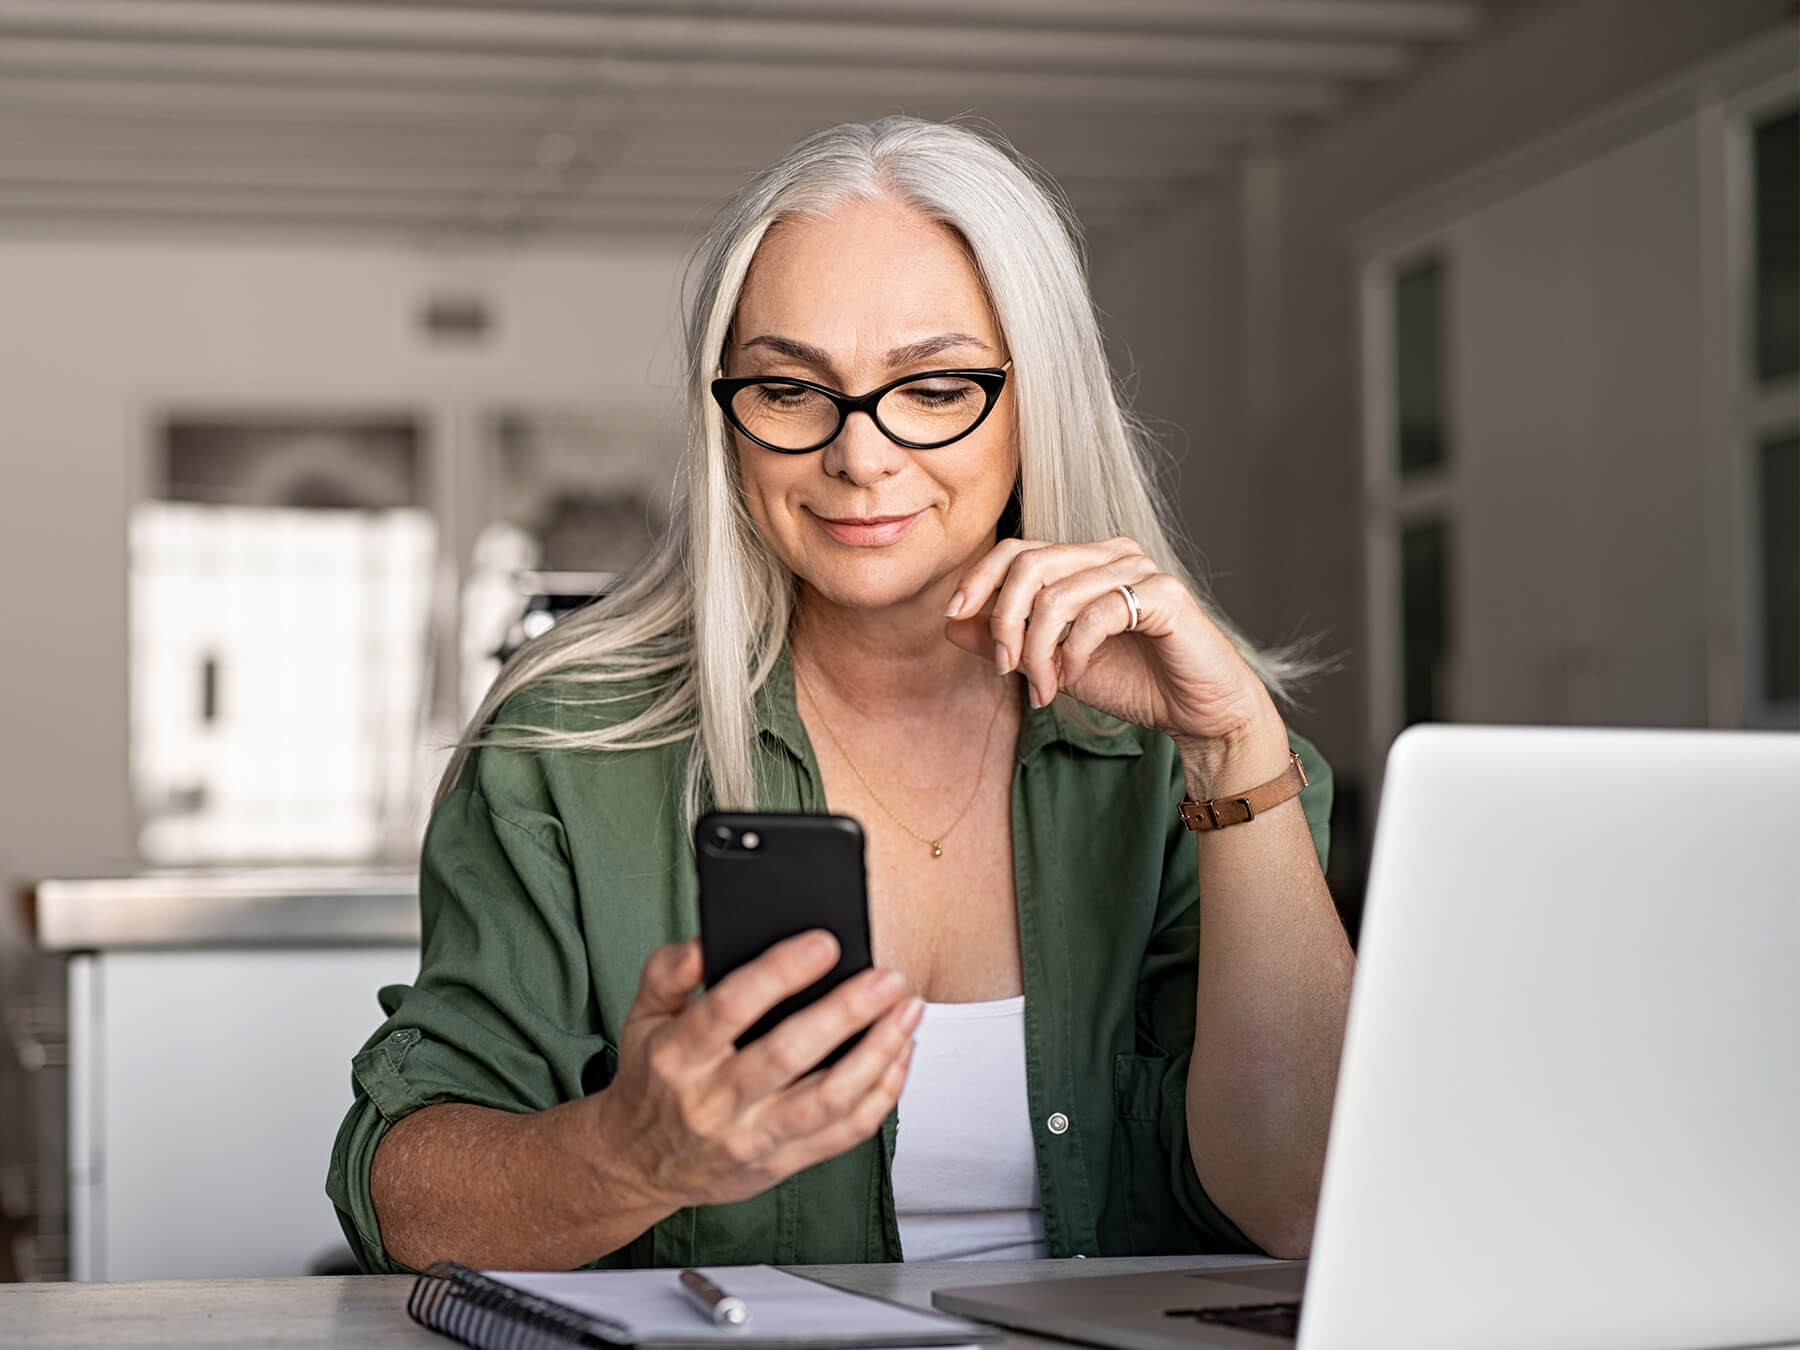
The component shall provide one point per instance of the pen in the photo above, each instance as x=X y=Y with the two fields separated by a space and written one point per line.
x=721 y=1308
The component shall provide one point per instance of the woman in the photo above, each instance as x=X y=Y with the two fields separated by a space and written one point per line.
x=903 y=610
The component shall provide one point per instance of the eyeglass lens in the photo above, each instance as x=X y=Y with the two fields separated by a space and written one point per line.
x=925 y=412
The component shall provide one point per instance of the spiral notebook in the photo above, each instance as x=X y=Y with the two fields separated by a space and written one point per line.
x=529 y=1310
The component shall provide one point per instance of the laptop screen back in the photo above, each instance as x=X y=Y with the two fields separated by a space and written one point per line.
x=1568 y=1106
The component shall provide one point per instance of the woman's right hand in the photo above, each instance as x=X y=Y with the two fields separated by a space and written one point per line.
x=700 y=1122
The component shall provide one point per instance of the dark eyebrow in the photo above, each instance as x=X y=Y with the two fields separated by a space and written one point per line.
x=819 y=359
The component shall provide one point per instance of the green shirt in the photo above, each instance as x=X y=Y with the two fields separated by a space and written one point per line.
x=547 y=878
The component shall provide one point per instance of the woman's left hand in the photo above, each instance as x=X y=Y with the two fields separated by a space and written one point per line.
x=1054 y=613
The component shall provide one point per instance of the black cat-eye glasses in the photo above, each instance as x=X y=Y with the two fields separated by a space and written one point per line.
x=921 y=412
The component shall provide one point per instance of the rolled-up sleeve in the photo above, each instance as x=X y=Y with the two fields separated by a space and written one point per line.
x=1166 y=999
x=503 y=1013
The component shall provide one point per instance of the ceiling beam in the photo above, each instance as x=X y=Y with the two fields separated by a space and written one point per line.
x=474 y=199
x=722 y=35
x=1405 y=20
x=207 y=199
x=542 y=79
x=134 y=214
x=680 y=226
x=252 y=165
x=659 y=139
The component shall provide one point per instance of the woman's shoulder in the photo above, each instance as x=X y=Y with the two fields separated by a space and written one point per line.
x=578 y=735
x=578 y=701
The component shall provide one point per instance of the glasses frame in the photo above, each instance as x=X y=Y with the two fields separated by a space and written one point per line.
x=990 y=379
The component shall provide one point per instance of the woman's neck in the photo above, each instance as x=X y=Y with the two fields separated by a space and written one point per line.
x=893 y=662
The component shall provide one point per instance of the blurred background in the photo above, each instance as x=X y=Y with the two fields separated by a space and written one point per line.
x=337 y=349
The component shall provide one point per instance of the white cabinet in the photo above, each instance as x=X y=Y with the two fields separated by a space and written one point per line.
x=206 y=1086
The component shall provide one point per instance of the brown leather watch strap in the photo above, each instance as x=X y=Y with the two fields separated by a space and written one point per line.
x=1218 y=812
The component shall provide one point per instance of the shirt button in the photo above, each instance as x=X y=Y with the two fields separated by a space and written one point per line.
x=1058 y=1123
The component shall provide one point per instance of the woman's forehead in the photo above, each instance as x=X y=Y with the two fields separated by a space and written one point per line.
x=868 y=274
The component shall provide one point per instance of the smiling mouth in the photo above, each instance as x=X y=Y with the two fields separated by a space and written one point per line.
x=867 y=531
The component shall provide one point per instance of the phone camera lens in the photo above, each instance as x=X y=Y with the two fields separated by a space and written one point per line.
x=721 y=836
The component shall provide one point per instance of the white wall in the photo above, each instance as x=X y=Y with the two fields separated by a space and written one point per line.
x=1577 y=369
x=98 y=336
x=1272 y=483
x=1176 y=326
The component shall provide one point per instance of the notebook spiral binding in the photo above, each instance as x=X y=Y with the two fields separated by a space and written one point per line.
x=467 y=1306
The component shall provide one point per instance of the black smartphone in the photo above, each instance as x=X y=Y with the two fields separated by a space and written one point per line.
x=765 y=876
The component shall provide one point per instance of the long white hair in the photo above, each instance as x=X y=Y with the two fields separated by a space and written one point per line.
x=702 y=623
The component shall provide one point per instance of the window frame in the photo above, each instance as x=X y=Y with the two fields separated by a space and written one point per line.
x=1744 y=412
x=1393 y=501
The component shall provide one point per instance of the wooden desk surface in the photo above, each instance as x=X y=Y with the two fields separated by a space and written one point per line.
x=369 y=1311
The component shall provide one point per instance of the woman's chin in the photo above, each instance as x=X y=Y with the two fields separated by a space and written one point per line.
x=871 y=585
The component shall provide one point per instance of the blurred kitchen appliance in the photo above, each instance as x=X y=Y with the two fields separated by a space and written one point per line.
x=548 y=597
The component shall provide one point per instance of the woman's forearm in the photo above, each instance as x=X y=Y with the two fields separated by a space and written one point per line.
x=1274 y=990
x=497 y=1190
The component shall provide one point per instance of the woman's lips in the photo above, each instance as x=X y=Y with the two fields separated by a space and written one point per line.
x=868 y=531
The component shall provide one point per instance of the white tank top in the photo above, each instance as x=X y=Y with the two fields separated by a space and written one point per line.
x=965 y=1166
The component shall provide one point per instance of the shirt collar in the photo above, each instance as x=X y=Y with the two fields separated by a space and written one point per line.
x=777 y=712
x=778 y=720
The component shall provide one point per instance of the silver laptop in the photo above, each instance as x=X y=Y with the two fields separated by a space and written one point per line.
x=1569 y=1108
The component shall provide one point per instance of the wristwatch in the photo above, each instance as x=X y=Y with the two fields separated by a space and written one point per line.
x=1218 y=812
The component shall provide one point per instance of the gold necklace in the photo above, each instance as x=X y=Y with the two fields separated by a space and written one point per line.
x=936 y=845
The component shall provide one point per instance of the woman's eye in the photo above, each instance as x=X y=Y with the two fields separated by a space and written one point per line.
x=939 y=395
x=783 y=395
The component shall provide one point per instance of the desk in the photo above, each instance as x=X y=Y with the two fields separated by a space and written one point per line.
x=369 y=1311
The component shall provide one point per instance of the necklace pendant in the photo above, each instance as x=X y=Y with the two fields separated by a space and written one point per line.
x=937 y=849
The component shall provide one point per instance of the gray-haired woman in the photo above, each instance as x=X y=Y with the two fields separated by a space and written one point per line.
x=954 y=612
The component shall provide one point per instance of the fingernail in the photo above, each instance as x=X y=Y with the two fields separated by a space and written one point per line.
x=915 y=1009
x=1036 y=702
x=1002 y=658
x=956 y=604
x=821 y=945
x=887 y=983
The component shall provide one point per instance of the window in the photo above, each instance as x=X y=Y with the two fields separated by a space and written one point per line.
x=1767 y=414
x=280 y=605
x=1775 y=157
x=1419 y=393
x=277 y=660
x=1424 y=619
x=1412 y=489
x=1778 y=543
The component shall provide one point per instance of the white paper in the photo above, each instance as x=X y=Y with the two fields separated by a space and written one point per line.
x=648 y=1306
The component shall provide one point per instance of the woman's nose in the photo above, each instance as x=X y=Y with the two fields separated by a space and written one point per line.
x=860 y=454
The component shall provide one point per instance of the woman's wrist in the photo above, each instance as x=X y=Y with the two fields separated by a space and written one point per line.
x=594 y=1199
x=596 y=1143
x=1234 y=762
